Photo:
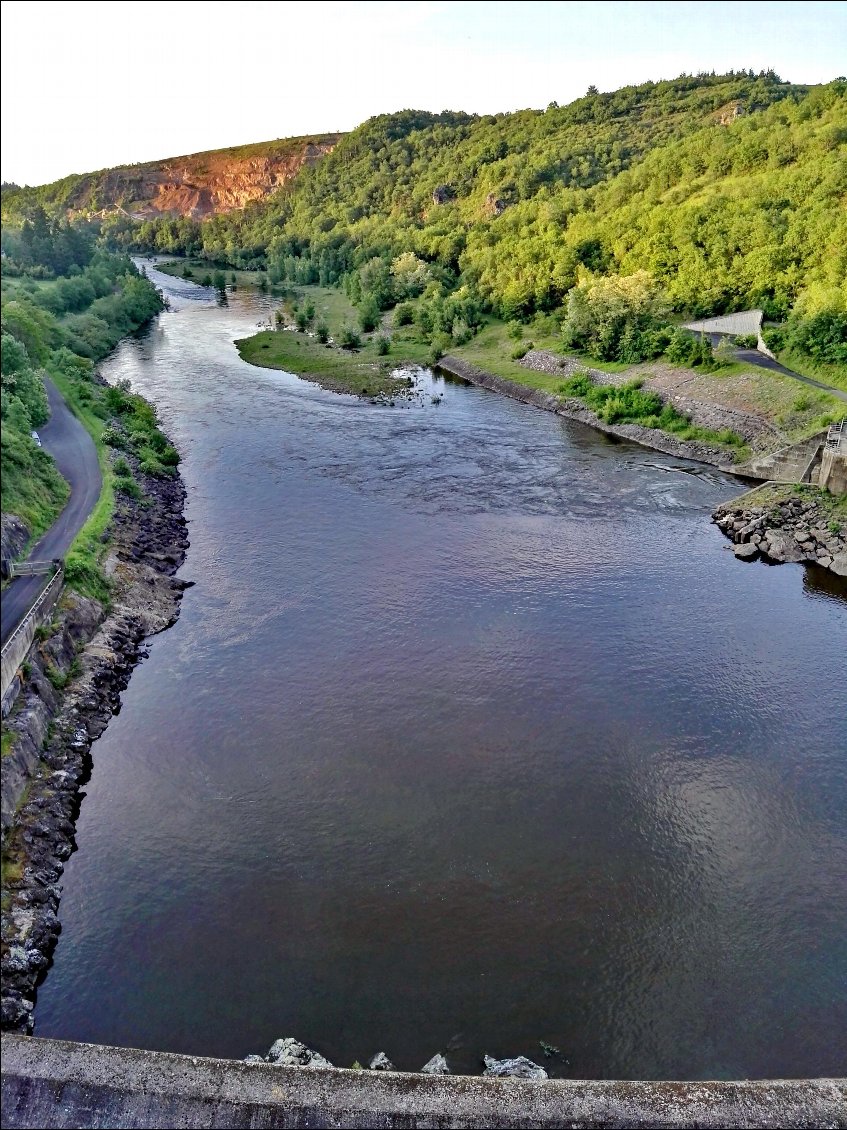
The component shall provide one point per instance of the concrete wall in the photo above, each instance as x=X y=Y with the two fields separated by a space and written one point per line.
x=786 y=465
x=18 y=644
x=833 y=472
x=55 y=1083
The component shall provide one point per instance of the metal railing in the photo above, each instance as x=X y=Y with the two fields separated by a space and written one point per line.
x=32 y=568
x=836 y=437
x=56 y=581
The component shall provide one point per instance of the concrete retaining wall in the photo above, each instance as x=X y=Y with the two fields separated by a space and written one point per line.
x=19 y=642
x=787 y=465
x=833 y=472
x=55 y=1083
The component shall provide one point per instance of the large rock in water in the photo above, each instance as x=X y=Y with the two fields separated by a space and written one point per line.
x=436 y=1066
x=289 y=1052
x=520 y=1068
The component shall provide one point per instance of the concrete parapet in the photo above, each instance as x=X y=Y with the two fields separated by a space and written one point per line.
x=16 y=648
x=55 y=1083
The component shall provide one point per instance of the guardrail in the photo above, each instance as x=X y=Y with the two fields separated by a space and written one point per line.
x=17 y=646
x=31 y=568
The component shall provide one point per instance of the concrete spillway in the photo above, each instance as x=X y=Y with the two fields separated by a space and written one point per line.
x=55 y=1083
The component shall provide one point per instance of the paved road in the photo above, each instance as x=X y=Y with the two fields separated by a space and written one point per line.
x=72 y=447
x=762 y=361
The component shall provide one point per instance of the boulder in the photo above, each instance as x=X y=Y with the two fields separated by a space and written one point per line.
x=381 y=1062
x=520 y=1068
x=839 y=564
x=288 y=1052
x=254 y=1059
x=746 y=552
x=436 y=1066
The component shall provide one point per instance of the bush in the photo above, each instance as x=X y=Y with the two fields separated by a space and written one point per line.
x=322 y=332
x=521 y=351
x=349 y=338
x=126 y=484
x=369 y=314
x=515 y=331
x=746 y=341
x=383 y=344
x=122 y=468
x=302 y=321
x=404 y=314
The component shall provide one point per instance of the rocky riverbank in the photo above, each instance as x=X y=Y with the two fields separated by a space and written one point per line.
x=73 y=679
x=573 y=409
x=787 y=524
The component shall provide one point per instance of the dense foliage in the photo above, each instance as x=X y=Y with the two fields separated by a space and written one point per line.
x=65 y=304
x=719 y=192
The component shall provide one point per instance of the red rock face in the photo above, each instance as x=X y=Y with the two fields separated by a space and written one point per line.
x=203 y=184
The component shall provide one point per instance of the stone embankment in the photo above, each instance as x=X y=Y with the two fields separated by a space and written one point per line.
x=674 y=386
x=73 y=678
x=573 y=409
x=792 y=528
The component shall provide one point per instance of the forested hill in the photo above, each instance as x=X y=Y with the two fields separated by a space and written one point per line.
x=729 y=190
x=198 y=185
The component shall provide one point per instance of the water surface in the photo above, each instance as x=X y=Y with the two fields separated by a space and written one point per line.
x=472 y=733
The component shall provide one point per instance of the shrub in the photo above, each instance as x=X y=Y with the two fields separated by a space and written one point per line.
x=404 y=314
x=369 y=314
x=322 y=332
x=515 y=331
x=126 y=484
x=302 y=321
x=521 y=351
x=383 y=344
x=349 y=338
x=122 y=468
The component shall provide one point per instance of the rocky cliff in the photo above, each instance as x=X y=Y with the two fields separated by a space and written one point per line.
x=197 y=185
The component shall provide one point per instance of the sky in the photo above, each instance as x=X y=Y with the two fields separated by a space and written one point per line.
x=90 y=85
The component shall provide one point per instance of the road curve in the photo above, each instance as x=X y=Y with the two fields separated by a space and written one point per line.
x=754 y=357
x=64 y=437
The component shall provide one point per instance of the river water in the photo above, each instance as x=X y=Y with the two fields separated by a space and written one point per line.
x=472 y=734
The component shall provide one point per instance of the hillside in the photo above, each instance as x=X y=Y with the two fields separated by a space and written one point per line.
x=197 y=185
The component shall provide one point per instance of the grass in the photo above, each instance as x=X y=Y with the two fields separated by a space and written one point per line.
x=82 y=561
x=8 y=741
x=833 y=375
x=199 y=268
x=365 y=371
x=769 y=495
x=631 y=404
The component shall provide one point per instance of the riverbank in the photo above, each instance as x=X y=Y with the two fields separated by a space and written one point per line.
x=784 y=523
x=73 y=679
x=573 y=409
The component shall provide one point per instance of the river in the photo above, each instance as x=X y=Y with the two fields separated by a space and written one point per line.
x=472 y=734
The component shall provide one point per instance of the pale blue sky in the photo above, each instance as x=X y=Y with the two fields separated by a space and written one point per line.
x=89 y=85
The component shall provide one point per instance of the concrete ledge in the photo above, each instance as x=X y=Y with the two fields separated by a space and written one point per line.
x=56 y=1083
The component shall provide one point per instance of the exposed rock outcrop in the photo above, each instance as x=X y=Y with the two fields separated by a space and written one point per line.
x=793 y=528
x=201 y=184
x=14 y=536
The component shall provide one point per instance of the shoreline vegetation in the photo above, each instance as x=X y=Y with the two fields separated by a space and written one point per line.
x=735 y=409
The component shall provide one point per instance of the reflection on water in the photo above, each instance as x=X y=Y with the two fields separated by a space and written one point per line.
x=473 y=733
